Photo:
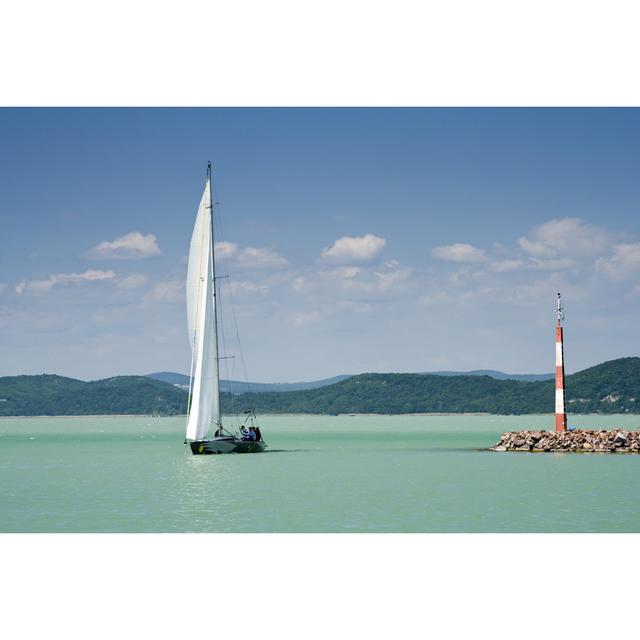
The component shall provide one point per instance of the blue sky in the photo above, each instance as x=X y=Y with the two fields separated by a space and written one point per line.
x=356 y=239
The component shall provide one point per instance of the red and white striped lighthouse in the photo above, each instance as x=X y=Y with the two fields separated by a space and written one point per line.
x=561 y=410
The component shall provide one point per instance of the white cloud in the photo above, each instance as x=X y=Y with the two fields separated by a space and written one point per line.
x=624 y=262
x=260 y=258
x=348 y=273
x=167 y=291
x=387 y=279
x=350 y=250
x=245 y=288
x=299 y=319
x=352 y=284
x=503 y=266
x=132 y=246
x=3 y=287
x=249 y=258
x=226 y=249
x=373 y=284
x=133 y=281
x=563 y=237
x=541 y=291
x=552 y=264
x=336 y=279
x=42 y=286
x=467 y=276
x=459 y=252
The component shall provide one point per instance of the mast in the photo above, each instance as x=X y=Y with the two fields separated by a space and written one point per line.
x=217 y=419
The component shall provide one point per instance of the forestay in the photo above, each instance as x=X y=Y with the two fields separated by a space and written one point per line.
x=202 y=327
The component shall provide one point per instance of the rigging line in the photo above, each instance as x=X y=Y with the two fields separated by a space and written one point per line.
x=195 y=324
x=240 y=351
x=232 y=306
x=223 y=336
x=235 y=319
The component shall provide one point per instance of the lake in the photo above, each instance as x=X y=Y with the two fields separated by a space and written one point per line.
x=319 y=474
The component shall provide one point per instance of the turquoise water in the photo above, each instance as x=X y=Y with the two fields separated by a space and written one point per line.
x=319 y=474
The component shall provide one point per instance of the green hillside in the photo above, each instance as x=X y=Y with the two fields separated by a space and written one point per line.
x=394 y=393
x=611 y=387
x=51 y=395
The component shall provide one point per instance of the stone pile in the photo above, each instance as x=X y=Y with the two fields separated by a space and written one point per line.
x=579 y=441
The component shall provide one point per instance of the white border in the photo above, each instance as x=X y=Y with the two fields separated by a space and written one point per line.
x=318 y=586
x=334 y=52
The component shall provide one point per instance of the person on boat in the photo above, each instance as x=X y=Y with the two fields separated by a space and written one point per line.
x=244 y=433
x=252 y=434
x=218 y=433
x=258 y=434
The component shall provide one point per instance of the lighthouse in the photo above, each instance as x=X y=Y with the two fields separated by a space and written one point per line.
x=561 y=409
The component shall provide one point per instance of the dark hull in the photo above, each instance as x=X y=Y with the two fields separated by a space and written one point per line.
x=226 y=445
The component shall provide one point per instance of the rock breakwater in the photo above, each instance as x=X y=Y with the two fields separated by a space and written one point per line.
x=578 y=441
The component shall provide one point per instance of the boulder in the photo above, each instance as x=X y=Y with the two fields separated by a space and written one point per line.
x=615 y=440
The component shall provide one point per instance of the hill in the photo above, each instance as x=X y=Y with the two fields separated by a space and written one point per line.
x=498 y=375
x=55 y=395
x=237 y=386
x=610 y=387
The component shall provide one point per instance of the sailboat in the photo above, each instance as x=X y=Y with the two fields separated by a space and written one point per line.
x=204 y=411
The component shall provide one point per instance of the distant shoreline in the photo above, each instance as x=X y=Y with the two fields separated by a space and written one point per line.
x=325 y=415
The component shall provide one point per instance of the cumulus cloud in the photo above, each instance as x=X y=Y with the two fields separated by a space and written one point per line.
x=347 y=272
x=167 y=291
x=249 y=258
x=369 y=283
x=350 y=284
x=563 y=237
x=228 y=249
x=63 y=279
x=552 y=264
x=132 y=246
x=624 y=262
x=459 y=252
x=299 y=319
x=387 y=279
x=504 y=266
x=133 y=281
x=245 y=288
x=259 y=258
x=354 y=250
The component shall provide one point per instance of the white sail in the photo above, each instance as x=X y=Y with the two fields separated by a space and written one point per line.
x=205 y=398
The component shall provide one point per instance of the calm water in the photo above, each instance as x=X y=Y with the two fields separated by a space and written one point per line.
x=320 y=474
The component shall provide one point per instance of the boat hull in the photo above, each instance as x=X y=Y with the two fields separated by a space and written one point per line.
x=226 y=445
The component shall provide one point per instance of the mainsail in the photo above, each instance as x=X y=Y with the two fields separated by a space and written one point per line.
x=201 y=310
